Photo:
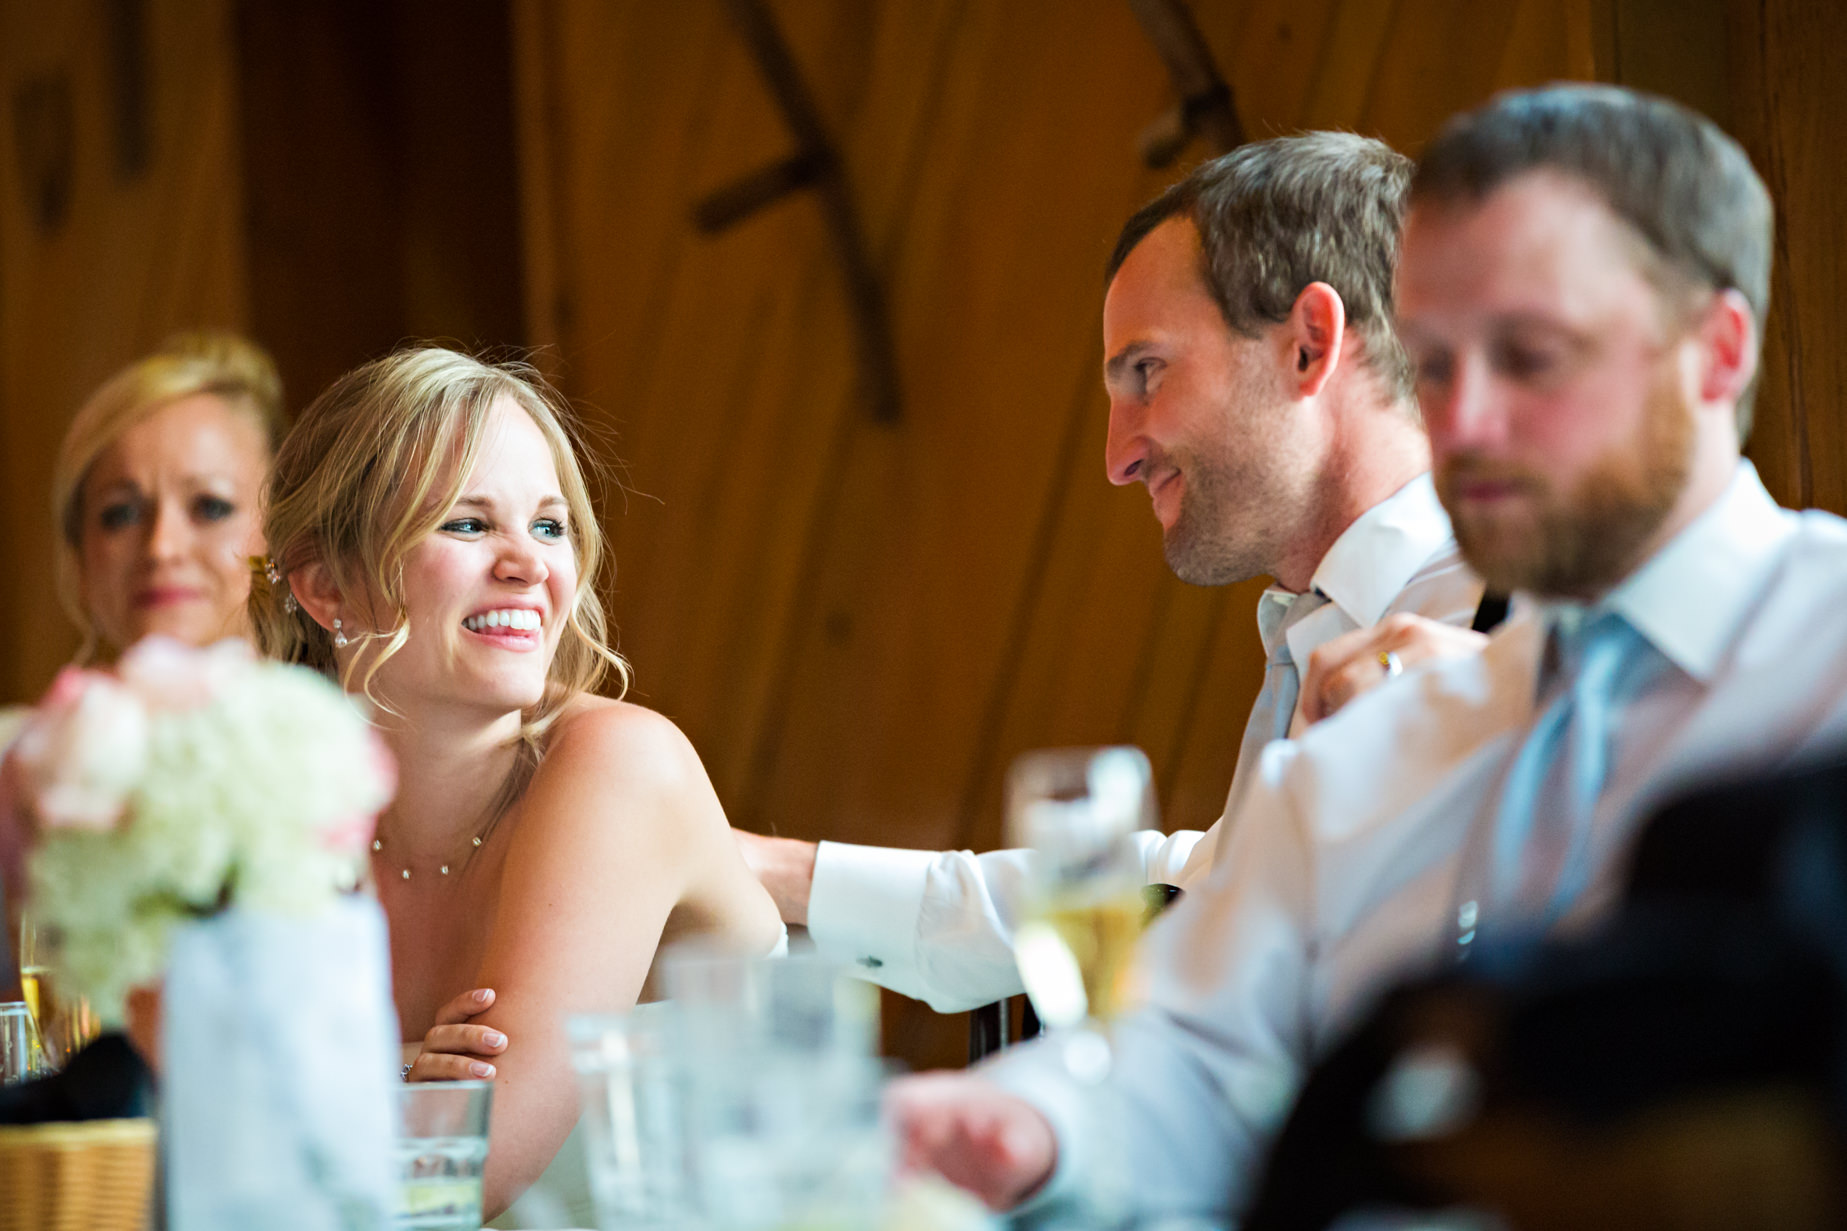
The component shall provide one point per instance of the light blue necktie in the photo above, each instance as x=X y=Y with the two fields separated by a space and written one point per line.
x=1282 y=677
x=1541 y=861
x=1275 y=703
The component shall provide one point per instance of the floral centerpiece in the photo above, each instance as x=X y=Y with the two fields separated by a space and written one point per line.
x=185 y=782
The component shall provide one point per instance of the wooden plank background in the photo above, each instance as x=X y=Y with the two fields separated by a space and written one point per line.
x=139 y=248
x=859 y=624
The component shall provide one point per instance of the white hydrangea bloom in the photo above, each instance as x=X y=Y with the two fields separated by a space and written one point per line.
x=255 y=789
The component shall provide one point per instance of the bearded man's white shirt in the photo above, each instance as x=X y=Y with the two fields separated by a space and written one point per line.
x=1345 y=869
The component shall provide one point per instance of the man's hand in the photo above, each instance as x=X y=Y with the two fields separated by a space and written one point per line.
x=973 y=1134
x=786 y=868
x=1352 y=663
x=453 y=1050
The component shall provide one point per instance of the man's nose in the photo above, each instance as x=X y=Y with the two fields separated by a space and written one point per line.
x=1125 y=449
x=1468 y=412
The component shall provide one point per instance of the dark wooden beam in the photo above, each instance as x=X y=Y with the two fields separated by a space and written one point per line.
x=815 y=164
x=1206 y=107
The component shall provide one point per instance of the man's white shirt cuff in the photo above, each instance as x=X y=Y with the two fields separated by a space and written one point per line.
x=864 y=905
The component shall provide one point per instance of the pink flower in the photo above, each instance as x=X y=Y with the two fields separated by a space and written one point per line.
x=83 y=751
x=384 y=766
x=352 y=834
x=348 y=835
x=170 y=675
x=67 y=687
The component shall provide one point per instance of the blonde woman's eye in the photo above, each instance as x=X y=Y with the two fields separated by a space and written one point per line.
x=549 y=528
x=117 y=516
x=465 y=525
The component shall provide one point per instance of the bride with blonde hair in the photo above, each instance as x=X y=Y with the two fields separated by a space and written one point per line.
x=434 y=549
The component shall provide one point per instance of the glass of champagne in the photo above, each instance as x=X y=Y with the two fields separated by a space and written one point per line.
x=1078 y=809
x=65 y=1022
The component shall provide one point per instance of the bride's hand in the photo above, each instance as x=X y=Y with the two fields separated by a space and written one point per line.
x=453 y=1050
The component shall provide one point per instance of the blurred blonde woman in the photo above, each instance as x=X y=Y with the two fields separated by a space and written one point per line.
x=155 y=494
x=155 y=491
x=435 y=550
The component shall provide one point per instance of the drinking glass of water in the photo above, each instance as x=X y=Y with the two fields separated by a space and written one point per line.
x=635 y=1148
x=779 y=1086
x=441 y=1151
x=21 y=1058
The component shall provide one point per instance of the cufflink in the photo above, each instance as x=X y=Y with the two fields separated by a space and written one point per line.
x=870 y=963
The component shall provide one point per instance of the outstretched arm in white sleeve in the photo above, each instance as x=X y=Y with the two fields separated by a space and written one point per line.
x=933 y=925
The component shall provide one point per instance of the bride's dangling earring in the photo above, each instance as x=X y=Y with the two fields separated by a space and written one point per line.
x=339 y=638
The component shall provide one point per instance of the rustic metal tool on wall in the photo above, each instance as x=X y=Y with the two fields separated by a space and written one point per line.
x=814 y=164
x=1206 y=107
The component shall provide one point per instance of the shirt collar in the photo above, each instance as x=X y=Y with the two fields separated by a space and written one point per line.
x=1370 y=563
x=1690 y=598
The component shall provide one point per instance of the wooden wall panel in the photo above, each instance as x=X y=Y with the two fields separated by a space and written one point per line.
x=860 y=624
x=1761 y=68
x=147 y=241
x=383 y=187
x=330 y=178
x=1789 y=108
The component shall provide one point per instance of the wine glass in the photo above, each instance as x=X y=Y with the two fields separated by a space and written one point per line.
x=66 y=1024
x=1078 y=810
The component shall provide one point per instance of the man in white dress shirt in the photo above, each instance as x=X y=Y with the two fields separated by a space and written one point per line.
x=1258 y=390
x=1583 y=286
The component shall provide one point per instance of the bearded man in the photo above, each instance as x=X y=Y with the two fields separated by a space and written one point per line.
x=1582 y=291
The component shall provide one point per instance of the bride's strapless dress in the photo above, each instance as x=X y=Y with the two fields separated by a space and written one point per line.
x=561 y=1196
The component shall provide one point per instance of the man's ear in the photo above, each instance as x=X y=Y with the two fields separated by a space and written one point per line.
x=315 y=590
x=1727 y=334
x=1316 y=332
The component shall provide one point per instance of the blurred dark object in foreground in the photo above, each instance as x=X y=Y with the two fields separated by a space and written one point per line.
x=1684 y=1067
x=105 y=1081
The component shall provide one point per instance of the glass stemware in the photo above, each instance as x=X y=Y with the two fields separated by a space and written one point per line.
x=65 y=1022
x=1078 y=809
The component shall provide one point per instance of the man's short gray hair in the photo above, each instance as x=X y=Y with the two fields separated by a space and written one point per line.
x=1275 y=216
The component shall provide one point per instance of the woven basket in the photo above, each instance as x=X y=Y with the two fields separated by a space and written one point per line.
x=94 y=1175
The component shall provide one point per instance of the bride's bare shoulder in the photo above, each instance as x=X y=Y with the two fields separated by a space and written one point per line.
x=624 y=748
x=632 y=777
